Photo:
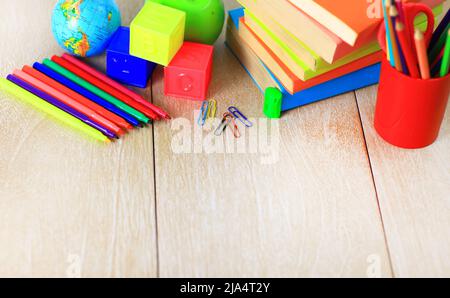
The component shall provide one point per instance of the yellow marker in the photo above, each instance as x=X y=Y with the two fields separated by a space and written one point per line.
x=51 y=110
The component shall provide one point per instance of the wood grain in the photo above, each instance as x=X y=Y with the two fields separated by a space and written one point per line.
x=311 y=213
x=72 y=207
x=69 y=206
x=414 y=191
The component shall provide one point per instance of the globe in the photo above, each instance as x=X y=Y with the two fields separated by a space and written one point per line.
x=85 y=27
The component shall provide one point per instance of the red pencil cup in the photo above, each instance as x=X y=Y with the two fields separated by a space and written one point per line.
x=409 y=111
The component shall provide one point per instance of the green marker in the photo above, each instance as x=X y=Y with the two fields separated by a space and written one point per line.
x=273 y=99
x=446 y=57
x=51 y=110
x=76 y=79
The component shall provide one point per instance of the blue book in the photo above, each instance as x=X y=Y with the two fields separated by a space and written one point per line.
x=359 y=79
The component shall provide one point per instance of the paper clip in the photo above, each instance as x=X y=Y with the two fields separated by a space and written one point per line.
x=234 y=127
x=228 y=119
x=203 y=113
x=222 y=126
x=238 y=115
x=212 y=109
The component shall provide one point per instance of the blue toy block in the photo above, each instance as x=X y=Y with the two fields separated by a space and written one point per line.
x=124 y=67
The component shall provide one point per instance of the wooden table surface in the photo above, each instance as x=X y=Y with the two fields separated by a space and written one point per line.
x=336 y=201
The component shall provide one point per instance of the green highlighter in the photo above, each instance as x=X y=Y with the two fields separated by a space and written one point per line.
x=49 y=109
x=273 y=100
x=79 y=81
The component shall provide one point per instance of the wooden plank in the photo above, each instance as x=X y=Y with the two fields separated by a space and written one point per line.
x=413 y=188
x=69 y=206
x=312 y=212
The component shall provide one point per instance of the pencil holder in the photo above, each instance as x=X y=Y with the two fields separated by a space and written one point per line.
x=409 y=111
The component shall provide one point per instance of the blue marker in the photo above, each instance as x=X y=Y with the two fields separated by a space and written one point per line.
x=84 y=92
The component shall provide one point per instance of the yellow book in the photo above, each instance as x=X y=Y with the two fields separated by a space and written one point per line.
x=299 y=66
x=293 y=62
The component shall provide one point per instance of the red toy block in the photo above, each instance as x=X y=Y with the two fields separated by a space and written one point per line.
x=189 y=73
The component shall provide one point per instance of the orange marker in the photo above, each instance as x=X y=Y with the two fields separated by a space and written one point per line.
x=422 y=56
x=78 y=97
x=410 y=58
x=68 y=101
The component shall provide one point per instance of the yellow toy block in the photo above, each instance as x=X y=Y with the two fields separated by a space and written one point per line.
x=157 y=33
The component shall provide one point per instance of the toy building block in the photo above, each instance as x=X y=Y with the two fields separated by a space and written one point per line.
x=157 y=33
x=273 y=99
x=189 y=73
x=123 y=67
x=204 y=18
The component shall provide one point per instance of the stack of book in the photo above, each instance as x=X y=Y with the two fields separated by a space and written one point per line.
x=310 y=49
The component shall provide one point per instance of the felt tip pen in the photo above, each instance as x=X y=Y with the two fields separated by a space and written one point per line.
x=51 y=100
x=105 y=87
x=79 y=98
x=16 y=90
x=91 y=114
x=162 y=114
x=89 y=95
x=126 y=108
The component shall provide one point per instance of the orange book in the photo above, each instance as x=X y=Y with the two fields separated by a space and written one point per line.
x=292 y=83
x=278 y=68
x=354 y=21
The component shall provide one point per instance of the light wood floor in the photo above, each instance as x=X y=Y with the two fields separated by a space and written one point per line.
x=338 y=202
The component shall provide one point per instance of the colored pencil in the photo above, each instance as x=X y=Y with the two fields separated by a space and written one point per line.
x=438 y=59
x=440 y=29
x=436 y=69
x=394 y=16
x=421 y=49
x=89 y=95
x=410 y=57
x=48 y=105
x=163 y=114
x=395 y=48
x=434 y=52
x=387 y=20
x=76 y=79
x=401 y=12
x=446 y=57
x=116 y=128
x=105 y=87
x=92 y=115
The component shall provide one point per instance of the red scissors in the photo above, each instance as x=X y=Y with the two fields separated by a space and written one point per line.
x=410 y=12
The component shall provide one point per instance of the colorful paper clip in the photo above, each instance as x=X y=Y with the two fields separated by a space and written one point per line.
x=203 y=113
x=207 y=111
x=238 y=115
x=212 y=109
x=228 y=119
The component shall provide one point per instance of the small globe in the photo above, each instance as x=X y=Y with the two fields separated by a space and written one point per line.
x=85 y=27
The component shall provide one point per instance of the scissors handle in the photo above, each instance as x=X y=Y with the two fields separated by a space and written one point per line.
x=411 y=11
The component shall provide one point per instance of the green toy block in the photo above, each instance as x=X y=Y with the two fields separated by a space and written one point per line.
x=273 y=98
x=157 y=33
x=204 y=18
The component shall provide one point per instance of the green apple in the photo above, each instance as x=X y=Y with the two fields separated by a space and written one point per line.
x=204 y=18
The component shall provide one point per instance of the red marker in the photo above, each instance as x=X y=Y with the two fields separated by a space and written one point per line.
x=105 y=87
x=116 y=85
x=81 y=99
x=69 y=101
